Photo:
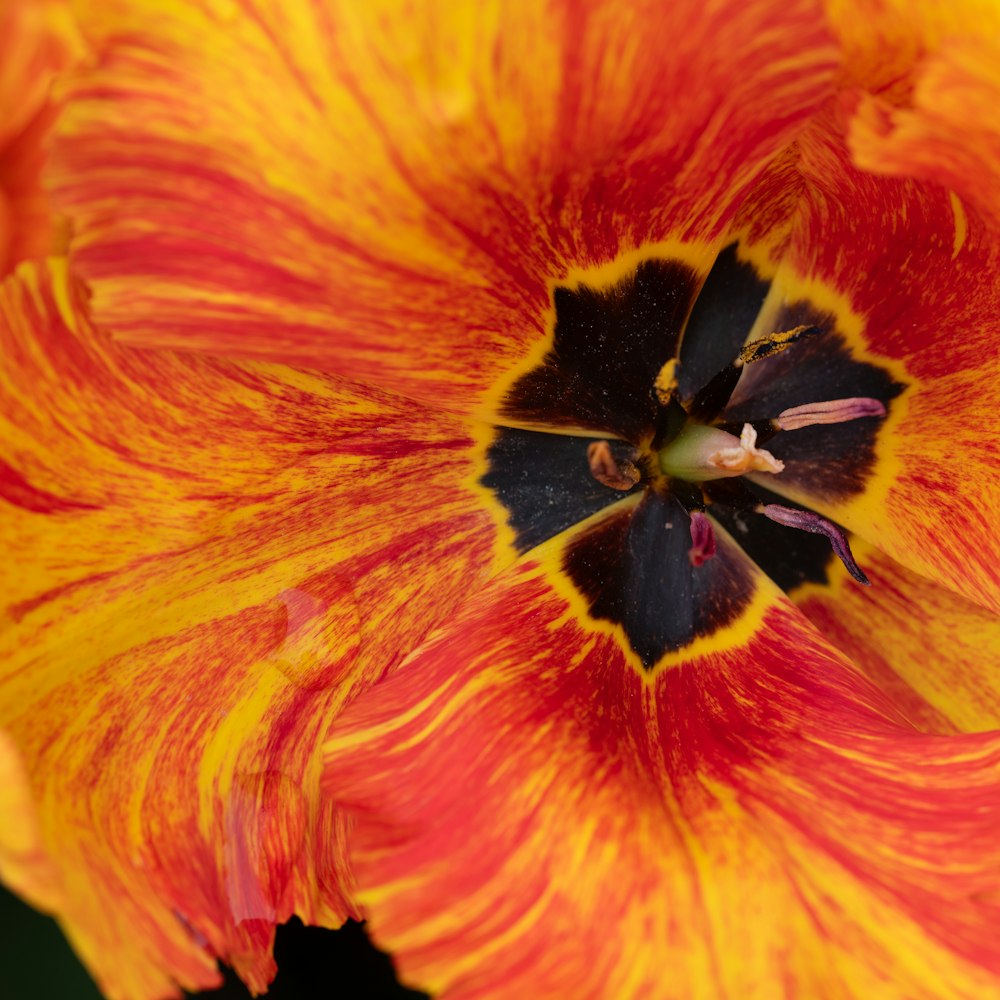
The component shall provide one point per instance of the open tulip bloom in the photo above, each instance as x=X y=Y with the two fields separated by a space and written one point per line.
x=523 y=474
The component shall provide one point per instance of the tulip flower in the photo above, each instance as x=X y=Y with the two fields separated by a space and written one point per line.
x=520 y=474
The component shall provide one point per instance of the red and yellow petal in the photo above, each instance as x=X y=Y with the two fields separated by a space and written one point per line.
x=388 y=190
x=753 y=822
x=925 y=84
x=24 y=864
x=205 y=562
x=931 y=651
x=911 y=279
x=38 y=39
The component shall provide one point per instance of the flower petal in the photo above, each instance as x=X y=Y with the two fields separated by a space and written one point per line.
x=24 y=865
x=909 y=280
x=753 y=822
x=928 y=85
x=38 y=38
x=933 y=652
x=388 y=190
x=205 y=562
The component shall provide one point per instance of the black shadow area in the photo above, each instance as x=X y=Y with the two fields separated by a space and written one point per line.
x=37 y=963
x=326 y=965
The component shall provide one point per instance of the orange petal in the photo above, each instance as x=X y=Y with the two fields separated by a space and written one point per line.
x=928 y=85
x=38 y=38
x=933 y=652
x=908 y=280
x=388 y=190
x=754 y=822
x=24 y=865
x=205 y=562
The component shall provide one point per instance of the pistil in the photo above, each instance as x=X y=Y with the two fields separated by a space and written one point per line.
x=701 y=453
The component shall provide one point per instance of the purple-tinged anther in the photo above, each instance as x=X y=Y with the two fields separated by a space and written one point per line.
x=833 y=411
x=805 y=520
x=702 y=539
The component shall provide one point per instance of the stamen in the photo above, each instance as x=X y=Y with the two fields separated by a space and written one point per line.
x=774 y=343
x=805 y=520
x=834 y=411
x=746 y=456
x=702 y=539
x=666 y=382
x=606 y=470
x=711 y=399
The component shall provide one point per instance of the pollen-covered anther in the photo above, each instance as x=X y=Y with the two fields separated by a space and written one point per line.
x=833 y=411
x=774 y=343
x=702 y=539
x=606 y=470
x=666 y=382
x=746 y=456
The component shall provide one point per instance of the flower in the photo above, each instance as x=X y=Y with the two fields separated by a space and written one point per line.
x=363 y=578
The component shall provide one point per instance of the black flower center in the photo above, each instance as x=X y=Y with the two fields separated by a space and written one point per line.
x=662 y=420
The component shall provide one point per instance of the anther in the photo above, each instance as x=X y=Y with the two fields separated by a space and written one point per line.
x=711 y=399
x=606 y=470
x=774 y=343
x=666 y=382
x=805 y=520
x=834 y=411
x=702 y=539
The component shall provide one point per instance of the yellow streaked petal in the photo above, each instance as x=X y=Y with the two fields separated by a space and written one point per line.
x=389 y=190
x=933 y=652
x=753 y=822
x=927 y=80
x=205 y=562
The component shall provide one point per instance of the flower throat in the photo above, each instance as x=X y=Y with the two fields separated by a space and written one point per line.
x=659 y=447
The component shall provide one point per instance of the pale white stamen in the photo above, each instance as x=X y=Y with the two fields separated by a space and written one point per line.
x=746 y=456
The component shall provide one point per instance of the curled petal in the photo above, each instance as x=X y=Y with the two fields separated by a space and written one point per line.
x=206 y=561
x=24 y=864
x=38 y=39
x=926 y=84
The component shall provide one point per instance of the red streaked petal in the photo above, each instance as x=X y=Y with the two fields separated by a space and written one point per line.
x=911 y=281
x=927 y=84
x=756 y=821
x=388 y=190
x=933 y=652
x=951 y=135
x=38 y=38
x=205 y=562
